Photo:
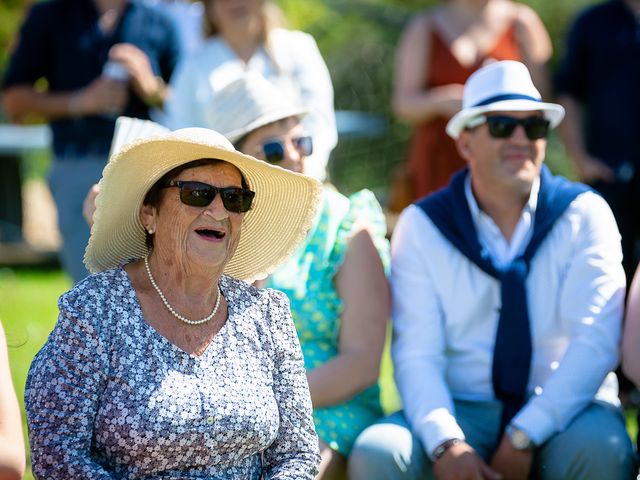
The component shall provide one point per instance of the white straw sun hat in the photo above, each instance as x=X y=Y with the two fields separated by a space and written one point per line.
x=249 y=102
x=283 y=208
x=501 y=87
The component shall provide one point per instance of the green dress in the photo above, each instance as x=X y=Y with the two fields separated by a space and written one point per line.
x=308 y=280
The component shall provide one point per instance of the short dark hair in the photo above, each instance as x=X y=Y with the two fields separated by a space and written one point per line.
x=153 y=196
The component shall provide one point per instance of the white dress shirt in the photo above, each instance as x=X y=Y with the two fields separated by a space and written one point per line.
x=445 y=316
x=299 y=70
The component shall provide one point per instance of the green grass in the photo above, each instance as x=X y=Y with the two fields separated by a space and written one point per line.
x=389 y=396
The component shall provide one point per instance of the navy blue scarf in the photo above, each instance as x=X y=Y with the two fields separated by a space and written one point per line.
x=449 y=211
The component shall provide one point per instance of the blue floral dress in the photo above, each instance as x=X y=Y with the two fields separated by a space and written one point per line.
x=308 y=280
x=108 y=397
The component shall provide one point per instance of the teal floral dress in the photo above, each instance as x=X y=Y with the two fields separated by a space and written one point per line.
x=308 y=280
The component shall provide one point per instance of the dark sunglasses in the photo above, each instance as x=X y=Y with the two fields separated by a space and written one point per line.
x=198 y=194
x=274 y=149
x=502 y=126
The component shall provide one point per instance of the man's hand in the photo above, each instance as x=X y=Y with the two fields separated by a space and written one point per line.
x=102 y=95
x=512 y=464
x=149 y=87
x=591 y=170
x=461 y=462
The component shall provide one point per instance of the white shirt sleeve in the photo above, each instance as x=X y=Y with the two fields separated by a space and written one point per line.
x=181 y=108
x=418 y=347
x=299 y=52
x=591 y=304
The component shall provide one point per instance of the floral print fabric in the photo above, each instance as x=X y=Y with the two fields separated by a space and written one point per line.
x=108 y=397
x=308 y=280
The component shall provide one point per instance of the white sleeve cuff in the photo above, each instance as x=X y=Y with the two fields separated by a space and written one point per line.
x=438 y=427
x=538 y=424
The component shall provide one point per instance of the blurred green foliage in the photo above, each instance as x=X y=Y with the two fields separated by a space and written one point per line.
x=358 y=40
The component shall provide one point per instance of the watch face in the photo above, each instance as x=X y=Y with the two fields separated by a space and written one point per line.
x=519 y=439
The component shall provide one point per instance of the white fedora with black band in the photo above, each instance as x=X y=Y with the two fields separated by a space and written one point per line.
x=504 y=86
x=282 y=212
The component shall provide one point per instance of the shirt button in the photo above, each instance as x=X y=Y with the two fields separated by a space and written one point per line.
x=210 y=420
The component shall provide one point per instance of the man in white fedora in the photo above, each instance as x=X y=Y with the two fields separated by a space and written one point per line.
x=508 y=292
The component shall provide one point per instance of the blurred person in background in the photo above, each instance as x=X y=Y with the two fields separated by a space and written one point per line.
x=99 y=58
x=597 y=83
x=167 y=362
x=12 y=451
x=244 y=35
x=188 y=16
x=438 y=51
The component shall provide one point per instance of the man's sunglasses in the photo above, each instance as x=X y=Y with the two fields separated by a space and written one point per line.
x=274 y=149
x=198 y=194
x=502 y=126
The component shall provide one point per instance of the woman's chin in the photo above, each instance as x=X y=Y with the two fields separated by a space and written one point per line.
x=208 y=257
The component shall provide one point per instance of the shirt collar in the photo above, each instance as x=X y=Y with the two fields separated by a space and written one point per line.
x=474 y=208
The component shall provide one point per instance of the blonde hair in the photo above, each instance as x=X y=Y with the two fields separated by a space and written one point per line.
x=271 y=17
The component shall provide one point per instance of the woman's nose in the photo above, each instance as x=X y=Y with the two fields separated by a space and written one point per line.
x=216 y=209
x=292 y=157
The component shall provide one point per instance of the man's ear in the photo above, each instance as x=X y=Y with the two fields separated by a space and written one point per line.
x=463 y=144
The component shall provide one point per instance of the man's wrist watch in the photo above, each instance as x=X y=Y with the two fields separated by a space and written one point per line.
x=441 y=449
x=519 y=439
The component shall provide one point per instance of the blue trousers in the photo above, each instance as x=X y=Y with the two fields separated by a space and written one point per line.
x=595 y=446
x=69 y=182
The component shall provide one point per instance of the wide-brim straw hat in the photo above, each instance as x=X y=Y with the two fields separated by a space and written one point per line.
x=249 y=102
x=282 y=212
x=504 y=86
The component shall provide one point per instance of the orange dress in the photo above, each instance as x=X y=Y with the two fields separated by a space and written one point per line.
x=432 y=156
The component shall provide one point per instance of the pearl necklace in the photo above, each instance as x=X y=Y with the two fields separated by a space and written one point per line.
x=170 y=308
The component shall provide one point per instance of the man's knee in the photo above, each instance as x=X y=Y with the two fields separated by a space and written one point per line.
x=595 y=445
x=386 y=450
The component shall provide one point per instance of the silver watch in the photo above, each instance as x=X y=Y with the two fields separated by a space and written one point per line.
x=519 y=439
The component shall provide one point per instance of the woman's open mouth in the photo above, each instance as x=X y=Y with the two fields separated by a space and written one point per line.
x=210 y=234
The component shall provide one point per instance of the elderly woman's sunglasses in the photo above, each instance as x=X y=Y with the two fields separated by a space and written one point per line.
x=503 y=126
x=198 y=194
x=274 y=149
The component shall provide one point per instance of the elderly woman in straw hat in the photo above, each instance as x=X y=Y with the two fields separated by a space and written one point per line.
x=335 y=281
x=167 y=363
